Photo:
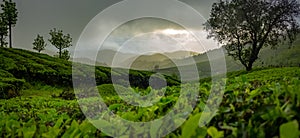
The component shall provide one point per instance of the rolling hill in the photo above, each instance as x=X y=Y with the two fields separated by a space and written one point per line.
x=285 y=55
x=137 y=61
x=168 y=63
x=20 y=68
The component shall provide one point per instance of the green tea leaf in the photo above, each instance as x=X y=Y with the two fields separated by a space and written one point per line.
x=289 y=130
x=190 y=127
x=214 y=133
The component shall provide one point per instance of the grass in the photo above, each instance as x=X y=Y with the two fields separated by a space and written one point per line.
x=46 y=91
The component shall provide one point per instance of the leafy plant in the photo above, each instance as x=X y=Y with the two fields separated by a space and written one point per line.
x=39 y=43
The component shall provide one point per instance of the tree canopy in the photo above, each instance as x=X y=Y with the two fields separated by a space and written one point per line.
x=60 y=41
x=39 y=43
x=10 y=15
x=65 y=55
x=244 y=27
x=3 y=31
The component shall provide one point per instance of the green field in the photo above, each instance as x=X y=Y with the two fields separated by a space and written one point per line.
x=37 y=100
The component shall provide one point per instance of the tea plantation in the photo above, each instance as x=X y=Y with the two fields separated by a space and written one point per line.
x=37 y=101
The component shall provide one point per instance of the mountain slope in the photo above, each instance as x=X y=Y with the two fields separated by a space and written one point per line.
x=137 y=61
x=17 y=66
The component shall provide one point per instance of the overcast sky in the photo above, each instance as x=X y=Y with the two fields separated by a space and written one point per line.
x=39 y=16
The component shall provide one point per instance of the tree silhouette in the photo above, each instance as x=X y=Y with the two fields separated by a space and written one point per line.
x=3 y=31
x=39 y=43
x=246 y=26
x=10 y=15
x=65 y=55
x=59 y=40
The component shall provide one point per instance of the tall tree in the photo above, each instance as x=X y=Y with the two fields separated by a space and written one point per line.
x=3 y=31
x=59 y=40
x=10 y=15
x=39 y=43
x=246 y=26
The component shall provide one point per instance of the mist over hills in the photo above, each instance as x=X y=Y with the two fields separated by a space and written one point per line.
x=285 y=55
x=144 y=61
x=168 y=63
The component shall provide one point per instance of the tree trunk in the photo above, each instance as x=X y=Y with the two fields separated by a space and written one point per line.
x=10 y=42
x=250 y=65
x=249 y=68
x=1 y=41
x=59 y=52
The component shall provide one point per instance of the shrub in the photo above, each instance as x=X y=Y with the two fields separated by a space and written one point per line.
x=10 y=87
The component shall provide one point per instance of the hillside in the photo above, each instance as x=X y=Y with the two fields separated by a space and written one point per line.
x=136 y=61
x=21 y=67
x=285 y=55
x=259 y=103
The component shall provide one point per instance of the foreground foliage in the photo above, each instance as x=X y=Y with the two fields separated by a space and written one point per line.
x=262 y=103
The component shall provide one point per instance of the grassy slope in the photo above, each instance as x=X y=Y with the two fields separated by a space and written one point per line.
x=42 y=69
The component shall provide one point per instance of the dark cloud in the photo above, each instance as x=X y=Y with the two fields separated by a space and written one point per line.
x=39 y=16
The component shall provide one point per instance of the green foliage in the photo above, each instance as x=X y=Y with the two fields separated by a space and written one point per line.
x=67 y=94
x=109 y=90
x=3 y=31
x=65 y=55
x=34 y=67
x=261 y=103
x=290 y=130
x=9 y=16
x=245 y=27
x=10 y=13
x=42 y=117
x=40 y=68
x=255 y=104
x=191 y=128
x=39 y=43
x=60 y=41
x=9 y=86
x=214 y=133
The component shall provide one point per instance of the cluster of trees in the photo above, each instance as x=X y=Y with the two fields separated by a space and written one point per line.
x=58 y=39
x=8 y=19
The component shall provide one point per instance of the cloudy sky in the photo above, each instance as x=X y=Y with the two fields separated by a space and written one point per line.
x=72 y=16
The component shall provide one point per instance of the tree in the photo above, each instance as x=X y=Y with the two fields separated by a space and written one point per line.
x=65 y=55
x=3 y=31
x=246 y=26
x=59 y=40
x=39 y=43
x=10 y=15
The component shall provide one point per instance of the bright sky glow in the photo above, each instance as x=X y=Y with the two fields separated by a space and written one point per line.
x=174 y=32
